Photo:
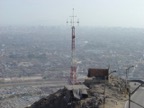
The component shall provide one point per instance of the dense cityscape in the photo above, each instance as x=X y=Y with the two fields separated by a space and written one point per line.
x=44 y=53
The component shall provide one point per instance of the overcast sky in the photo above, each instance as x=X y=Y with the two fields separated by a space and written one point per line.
x=99 y=13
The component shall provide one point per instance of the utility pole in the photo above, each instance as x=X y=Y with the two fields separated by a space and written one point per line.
x=129 y=96
x=128 y=86
x=127 y=71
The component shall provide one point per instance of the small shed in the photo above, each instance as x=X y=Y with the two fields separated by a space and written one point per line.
x=99 y=74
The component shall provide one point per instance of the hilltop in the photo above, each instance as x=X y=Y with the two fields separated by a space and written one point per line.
x=110 y=94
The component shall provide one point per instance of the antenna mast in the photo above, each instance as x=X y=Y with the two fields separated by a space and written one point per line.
x=73 y=77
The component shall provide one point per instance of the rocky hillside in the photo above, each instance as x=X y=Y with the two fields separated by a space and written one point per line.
x=110 y=95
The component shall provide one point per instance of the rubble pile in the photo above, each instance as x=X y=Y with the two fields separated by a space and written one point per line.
x=118 y=84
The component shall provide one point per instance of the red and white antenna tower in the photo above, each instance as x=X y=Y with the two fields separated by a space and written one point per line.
x=73 y=76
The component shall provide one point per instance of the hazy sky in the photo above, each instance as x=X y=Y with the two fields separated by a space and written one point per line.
x=109 y=13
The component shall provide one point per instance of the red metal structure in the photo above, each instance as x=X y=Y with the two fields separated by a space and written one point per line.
x=73 y=61
x=73 y=77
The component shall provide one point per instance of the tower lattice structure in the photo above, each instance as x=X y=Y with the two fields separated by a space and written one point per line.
x=73 y=75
